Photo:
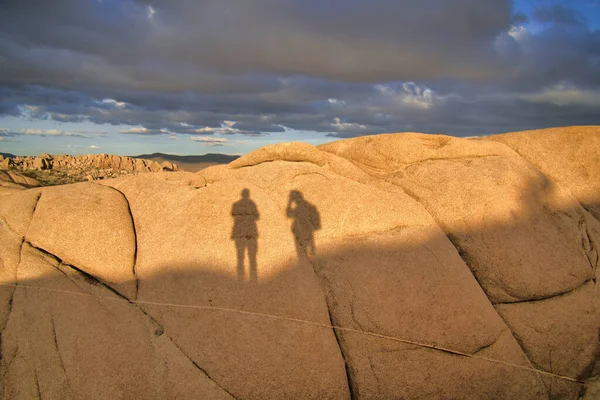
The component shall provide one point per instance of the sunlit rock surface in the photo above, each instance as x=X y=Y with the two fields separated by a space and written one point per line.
x=383 y=267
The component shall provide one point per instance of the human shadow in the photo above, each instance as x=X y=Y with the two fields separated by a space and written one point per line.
x=306 y=220
x=245 y=234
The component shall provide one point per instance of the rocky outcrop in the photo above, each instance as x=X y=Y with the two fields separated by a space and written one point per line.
x=11 y=181
x=62 y=169
x=389 y=266
x=92 y=161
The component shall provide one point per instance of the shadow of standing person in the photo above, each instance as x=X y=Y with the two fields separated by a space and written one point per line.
x=245 y=234
x=306 y=220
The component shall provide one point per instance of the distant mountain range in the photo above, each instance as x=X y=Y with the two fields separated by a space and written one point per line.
x=206 y=158
x=190 y=163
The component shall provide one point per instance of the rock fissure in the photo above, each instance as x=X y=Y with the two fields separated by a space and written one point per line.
x=135 y=240
x=311 y=173
x=37 y=383
x=55 y=337
x=92 y=280
x=194 y=362
x=35 y=207
x=11 y=297
x=591 y=251
x=374 y=372
x=552 y=296
x=458 y=159
x=352 y=389
x=528 y=355
x=338 y=335
x=465 y=259
x=5 y=367
x=487 y=346
x=10 y=310
x=270 y=161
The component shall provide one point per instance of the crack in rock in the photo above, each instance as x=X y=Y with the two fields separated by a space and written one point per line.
x=135 y=240
x=94 y=281
x=338 y=335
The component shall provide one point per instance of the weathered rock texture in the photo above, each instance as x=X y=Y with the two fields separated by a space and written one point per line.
x=387 y=267
x=11 y=181
x=62 y=169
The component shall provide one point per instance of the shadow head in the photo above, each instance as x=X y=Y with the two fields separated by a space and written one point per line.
x=295 y=195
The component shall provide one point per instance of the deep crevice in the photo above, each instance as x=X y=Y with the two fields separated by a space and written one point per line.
x=520 y=342
x=37 y=383
x=347 y=366
x=311 y=173
x=589 y=246
x=135 y=240
x=338 y=335
x=487 y=346
x=94 y=281
x=467 y=260
x=552 y=296
x=194 y=363
x=270 y=161
x=54 y=336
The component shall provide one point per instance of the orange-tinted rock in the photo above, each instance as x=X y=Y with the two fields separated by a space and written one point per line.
x=391 y=266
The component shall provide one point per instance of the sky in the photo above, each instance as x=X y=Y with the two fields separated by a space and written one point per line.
x=131 y=77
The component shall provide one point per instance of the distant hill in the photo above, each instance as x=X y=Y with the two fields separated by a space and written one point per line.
x=190 y=163
x=7 y=155
x=211 y=157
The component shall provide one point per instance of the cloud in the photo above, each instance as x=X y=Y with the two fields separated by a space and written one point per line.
x=211 y=141
x=558 y=14
x=347 y=126
x=40 y=132
x=565 y=95
x=349 y=40
x=93 y=146
x=343 y=68
x=112 y=102
x=137 y=130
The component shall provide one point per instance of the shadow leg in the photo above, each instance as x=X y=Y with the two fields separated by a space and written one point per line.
x=252 y=250
x=240 y=247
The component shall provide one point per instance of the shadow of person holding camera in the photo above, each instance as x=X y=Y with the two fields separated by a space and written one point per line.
x=306 y=220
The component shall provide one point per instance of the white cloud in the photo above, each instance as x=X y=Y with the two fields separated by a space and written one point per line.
x=345 y=126
x=519 y=33
x=136 y=130
x=93 y=146
x=225 y=129
x=409 y=94
x=565 y=95
x=119 y=104
x=336 y=102
x=212 y=141
x=150 y=12
x=49 y=132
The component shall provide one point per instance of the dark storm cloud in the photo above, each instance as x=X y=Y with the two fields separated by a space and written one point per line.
x=132 y=43
x=558 y=14
x=343 y=67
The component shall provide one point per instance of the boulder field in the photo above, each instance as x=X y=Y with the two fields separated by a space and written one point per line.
x=396 y=266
